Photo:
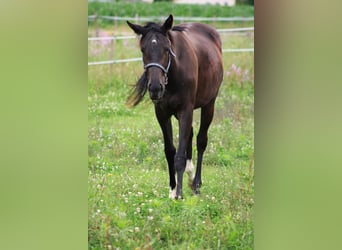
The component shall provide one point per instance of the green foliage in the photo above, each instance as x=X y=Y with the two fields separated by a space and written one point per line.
x=250 y=2
x=128 y=204
x=166 y=8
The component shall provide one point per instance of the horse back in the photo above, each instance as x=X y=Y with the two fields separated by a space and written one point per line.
x=207 y=46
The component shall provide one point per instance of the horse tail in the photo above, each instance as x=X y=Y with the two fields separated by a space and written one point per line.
x=138 y=91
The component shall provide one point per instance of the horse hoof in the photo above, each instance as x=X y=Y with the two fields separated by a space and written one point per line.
x=179 y=197
x=196 y=192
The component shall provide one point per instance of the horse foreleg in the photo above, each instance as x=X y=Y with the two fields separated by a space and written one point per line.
x=170 y=152
x=207 y=114
x=185 y=130
x=169 y=148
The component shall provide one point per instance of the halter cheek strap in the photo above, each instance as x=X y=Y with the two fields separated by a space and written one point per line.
x=165 y=70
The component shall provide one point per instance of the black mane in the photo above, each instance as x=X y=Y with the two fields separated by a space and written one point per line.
x=151 y=26
x=178 y=28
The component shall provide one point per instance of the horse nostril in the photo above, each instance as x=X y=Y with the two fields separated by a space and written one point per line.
x=155 y=87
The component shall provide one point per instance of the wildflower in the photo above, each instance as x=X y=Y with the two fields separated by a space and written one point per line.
x=136 y=229
x=138 y=209
x=238 y=71
x=150 y=217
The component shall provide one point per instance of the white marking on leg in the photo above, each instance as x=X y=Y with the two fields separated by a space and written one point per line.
x=172 y=193
x=189 y=169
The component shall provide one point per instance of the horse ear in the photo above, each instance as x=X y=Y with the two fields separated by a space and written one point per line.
x=139 y=30
x=168 y=23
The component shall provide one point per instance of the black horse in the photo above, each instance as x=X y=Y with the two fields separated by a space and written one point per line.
x=183 y=71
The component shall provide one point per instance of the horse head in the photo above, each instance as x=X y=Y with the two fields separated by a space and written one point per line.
x=156 y=52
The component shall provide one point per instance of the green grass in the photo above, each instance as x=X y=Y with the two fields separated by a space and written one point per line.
x=128 y=204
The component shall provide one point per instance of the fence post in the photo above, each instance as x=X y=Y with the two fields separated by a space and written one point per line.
x=95 y=25
x=112 y=42
x=112 y=46
x=115 y=21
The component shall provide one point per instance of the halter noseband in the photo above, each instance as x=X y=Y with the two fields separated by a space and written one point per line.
x=165 y=70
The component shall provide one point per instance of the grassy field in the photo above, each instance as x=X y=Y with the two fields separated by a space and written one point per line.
x=128 y=204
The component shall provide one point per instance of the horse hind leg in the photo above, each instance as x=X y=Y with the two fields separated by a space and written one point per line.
x=189 y=167
x=207 y=114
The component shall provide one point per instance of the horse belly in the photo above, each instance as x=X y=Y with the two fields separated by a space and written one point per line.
x=208 y=85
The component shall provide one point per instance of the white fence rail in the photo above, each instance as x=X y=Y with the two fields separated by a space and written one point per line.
x=140 y=59
x=133 y=37
x=116 y=61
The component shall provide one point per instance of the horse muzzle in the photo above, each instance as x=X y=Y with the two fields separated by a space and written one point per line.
x=156 y=91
